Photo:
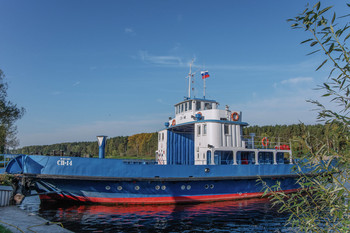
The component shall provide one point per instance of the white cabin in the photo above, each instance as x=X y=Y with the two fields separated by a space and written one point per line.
x=202 y=134
x=197 y=128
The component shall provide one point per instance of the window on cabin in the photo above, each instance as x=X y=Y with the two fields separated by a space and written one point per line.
x=159 y=136
x=198 y=130
x=182 y=107
x=198 y=105
x=208 y=106
x=205 y=129
x=185 y=107
x=226 y=130
x=190 y=105
x=265 y=157
x=162 y=136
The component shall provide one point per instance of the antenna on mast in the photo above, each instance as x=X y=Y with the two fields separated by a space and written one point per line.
x=190 y=75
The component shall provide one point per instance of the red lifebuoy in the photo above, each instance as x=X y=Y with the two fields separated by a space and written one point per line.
x=235 y=116
x=265 y=141
x=173 y=122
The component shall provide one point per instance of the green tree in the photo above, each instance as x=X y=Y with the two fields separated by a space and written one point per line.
x=9 y=113
x=323 y=205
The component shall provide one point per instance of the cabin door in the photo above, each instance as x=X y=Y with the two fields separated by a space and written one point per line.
x=208 y=157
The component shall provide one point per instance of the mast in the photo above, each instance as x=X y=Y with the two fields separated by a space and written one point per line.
x=204 y=88
x=205 y=75
x=190 y=79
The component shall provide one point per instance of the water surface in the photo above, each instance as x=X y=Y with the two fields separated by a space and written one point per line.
x=253 y=215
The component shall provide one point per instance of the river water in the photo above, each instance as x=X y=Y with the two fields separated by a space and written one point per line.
x=253 y=215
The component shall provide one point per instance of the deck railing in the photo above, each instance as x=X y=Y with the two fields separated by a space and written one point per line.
x=260 y=142
x=6 y=158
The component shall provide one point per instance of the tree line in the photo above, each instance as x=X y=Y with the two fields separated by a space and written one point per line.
x=304 y=138
x=141 y=145
x=144 y=145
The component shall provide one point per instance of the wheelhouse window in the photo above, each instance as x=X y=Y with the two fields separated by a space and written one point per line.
x=185 y=107
x=208 y=106
x=190 y=105
x=198 y=130
x=198 y=105
x=182 y=107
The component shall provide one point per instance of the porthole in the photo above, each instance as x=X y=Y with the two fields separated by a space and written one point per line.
x=183 y=187
x=108 y=187
x=211 y=186
x=206 y=186
x=206 y=170
x=163 y=187
x=137 y=187
x=119 y=188
x=157 y=187
x=188 y=187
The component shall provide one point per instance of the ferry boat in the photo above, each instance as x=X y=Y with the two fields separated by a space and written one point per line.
x=202 y=156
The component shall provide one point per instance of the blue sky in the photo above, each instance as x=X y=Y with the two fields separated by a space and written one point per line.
x=85 y=68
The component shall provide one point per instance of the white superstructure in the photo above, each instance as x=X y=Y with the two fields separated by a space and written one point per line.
x=201 y=133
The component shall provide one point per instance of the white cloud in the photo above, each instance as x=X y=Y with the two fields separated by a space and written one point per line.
x=286 y=106
x=305 y=65
x=297 y=80
x=76 y=84
x=56 y=93
x=129 y=31
x=176 y=47
x=278 y=110
x=159 y=60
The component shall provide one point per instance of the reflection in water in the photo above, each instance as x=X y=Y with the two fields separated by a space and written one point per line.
x=254 y=215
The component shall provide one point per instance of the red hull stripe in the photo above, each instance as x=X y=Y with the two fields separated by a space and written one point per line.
x=157 y=200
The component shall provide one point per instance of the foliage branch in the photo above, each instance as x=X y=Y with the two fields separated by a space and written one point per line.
x=322 y=205
x=9 y=113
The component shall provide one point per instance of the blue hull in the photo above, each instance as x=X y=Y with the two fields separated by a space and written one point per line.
x=153 y=192
x=119 y=181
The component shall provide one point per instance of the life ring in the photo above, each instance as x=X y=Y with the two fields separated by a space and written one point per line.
x=173 y=122
x=265 y=141
x=235 y=116
x=198 y=116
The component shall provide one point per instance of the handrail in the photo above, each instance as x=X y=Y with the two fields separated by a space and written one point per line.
x=7 y=158
x=261 y=142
